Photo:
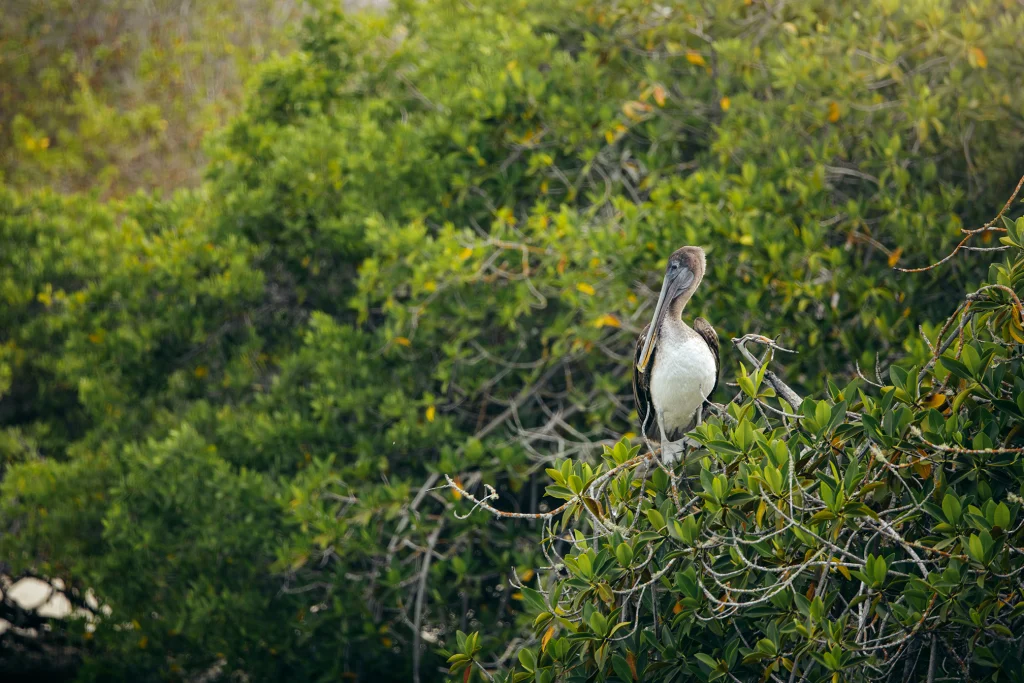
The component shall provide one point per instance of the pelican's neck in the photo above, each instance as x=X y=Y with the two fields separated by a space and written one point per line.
x=675 y=311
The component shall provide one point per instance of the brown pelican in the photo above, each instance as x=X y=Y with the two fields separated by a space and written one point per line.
x=676 y=366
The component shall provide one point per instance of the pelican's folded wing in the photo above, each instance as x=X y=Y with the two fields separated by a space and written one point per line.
x=642 y=389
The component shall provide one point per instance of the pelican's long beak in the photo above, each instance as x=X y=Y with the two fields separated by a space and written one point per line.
x=671 y=287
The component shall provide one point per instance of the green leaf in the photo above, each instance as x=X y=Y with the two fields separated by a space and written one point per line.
x=533 y=599
x=817 y=609
x=528 y=659
x=972 y=359
x=707 y=660
x=621 y=668
x=585 y=565
x=1002 y=516
x=822 y=414
x=957 y=368
x=975 y=548
x=599 y=624
x=575 y=484
x=624 y=554
x=656 y=519
x=951 y=508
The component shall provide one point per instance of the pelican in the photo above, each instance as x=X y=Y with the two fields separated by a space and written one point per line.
x=675 y=366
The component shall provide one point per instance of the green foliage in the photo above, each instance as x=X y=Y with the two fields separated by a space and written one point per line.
x=425 y=247
x=832 y=544
x=114 y=95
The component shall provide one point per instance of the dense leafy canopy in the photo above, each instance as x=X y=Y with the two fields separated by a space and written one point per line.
x=425 y=248
x=833 y=543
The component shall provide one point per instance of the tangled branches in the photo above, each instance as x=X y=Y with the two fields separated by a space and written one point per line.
x=971 y=233
x=805 y=539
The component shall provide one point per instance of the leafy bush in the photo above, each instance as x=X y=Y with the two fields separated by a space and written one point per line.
x=425 y=247
x=871 y=534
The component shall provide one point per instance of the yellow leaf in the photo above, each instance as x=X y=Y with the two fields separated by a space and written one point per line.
x=746 y=240
x=677 y=608
x=44 y=143
x=430 y=286
x=760 y=512
x=299 y=561
x=201 y=372
x=635 y=110
x=402 y=341
x=585 y=288
x=562 y=262
x=979 y=58
x=607 y=320
x=386 y=642
x=725 y=103
x=935 y=400
x=844 y=571
x=659 y=95
x=1015 y=332
x=517 y=596
x=923 y=469
x=143 y=642
x=431 y=413
x=694 y=57
x=631 y=660
x=547 y=638
x=465 y=253
x=629 y=435
x=97 y=337
x=455 y=492
x=611 y=136
x=833 y=112
x=526 y=575
x=894 y=256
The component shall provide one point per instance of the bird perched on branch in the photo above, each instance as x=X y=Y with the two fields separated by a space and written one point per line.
x=676 y=366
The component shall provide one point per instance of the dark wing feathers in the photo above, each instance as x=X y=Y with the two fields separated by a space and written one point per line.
x=642 y=389
x=705 y=330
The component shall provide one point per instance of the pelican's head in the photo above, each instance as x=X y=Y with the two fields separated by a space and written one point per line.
x=683 y=274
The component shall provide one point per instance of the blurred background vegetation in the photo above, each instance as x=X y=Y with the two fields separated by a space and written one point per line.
x=115 y=95
x=270 y=269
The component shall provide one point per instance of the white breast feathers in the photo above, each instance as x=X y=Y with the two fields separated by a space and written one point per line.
x=682 y=377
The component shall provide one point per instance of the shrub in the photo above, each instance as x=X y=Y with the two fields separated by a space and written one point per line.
x=425 y=247
x=871 y=534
